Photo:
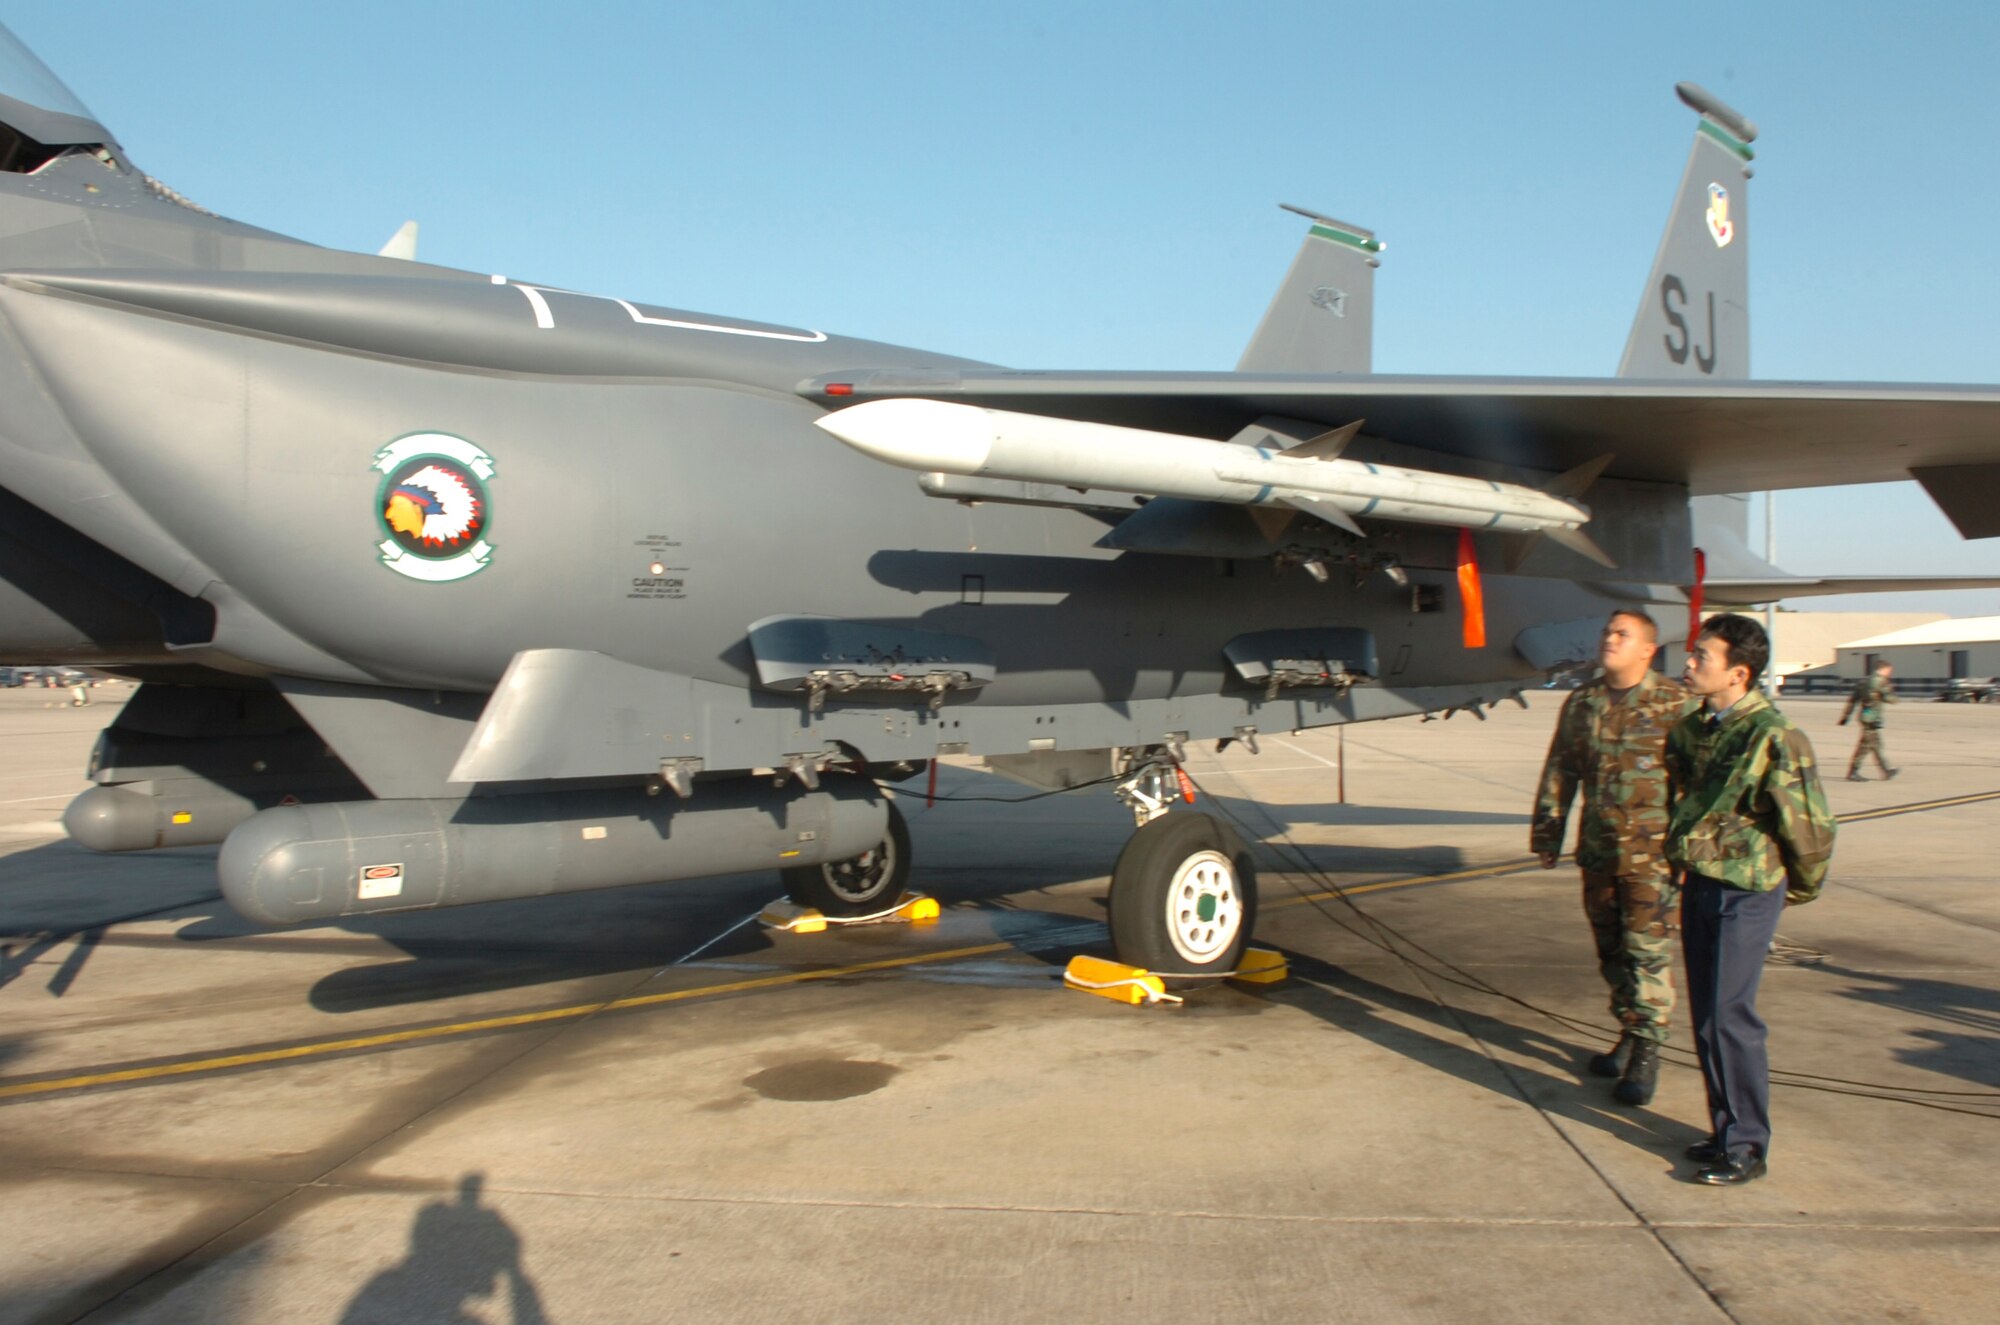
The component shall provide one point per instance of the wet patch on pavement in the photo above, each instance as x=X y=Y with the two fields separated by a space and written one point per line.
x=820 y=1079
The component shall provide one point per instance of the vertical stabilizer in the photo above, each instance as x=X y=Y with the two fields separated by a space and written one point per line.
x=1694 y=316
x=1322 y=319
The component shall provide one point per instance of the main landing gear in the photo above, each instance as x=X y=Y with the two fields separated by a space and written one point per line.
x=863 y=885
x=1184 y=890
x=1183 y=893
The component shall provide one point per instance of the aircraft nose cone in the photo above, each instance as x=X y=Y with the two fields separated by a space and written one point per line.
x=916 y=434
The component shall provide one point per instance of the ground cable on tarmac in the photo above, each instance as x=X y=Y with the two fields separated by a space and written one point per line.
x=1392 y=941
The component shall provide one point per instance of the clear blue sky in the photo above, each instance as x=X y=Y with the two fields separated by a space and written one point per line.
x=1082 y=184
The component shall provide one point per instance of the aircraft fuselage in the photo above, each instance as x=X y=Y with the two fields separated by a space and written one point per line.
x=230 y=410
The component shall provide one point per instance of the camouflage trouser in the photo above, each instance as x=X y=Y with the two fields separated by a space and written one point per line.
x=1869 y=744
x=1633 y=922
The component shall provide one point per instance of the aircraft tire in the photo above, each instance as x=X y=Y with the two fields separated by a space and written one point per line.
x=860 y=886
x=1183 y=897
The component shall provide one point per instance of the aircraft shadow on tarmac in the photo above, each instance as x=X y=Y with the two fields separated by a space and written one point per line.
x=1541 y=1069
x=57 y=895
x=215 y=1298
x=1970 y=1053
x=1269 y=827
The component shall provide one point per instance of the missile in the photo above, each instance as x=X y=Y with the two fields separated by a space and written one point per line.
x=939 y=436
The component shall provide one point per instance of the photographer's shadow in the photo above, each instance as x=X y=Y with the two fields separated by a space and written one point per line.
x=460 y=1252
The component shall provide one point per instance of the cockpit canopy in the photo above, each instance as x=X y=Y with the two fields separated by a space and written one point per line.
x=40 y=118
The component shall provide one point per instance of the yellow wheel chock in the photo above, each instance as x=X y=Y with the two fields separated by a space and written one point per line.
x=1136 y=984
x=910 y=908
x=1261 y=966
x=1116 y=981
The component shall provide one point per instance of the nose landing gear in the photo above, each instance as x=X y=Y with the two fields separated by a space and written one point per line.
x=1184 y=890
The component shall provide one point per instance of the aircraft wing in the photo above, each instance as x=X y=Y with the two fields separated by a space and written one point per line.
x=1755 y=593
x=1712 y=437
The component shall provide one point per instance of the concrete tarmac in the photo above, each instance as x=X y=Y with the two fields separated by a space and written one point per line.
x=641 y=1106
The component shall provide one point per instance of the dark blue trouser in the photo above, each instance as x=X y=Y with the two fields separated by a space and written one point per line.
x=1725 y=934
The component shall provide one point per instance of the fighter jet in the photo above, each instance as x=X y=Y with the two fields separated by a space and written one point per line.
x=447 y=587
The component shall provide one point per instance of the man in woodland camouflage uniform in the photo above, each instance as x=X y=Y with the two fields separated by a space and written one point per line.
x=1870 y=694
x=1752 y=834
x=1610 y=741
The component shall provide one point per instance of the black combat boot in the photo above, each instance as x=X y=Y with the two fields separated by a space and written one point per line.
x=1642 y=1074
x=1612 y=1064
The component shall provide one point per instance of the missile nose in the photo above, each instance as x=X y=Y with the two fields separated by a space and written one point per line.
x=916 y=434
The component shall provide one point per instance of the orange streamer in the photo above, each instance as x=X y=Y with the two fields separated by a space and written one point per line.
x=1470 y=595
x=1694 y=596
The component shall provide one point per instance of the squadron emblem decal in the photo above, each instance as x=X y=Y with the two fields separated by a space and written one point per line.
x=1332 y=300
x=1720 y=227
x=433 y=506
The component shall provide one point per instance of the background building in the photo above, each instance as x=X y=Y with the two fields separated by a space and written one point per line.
x=1937 y=652
x=1804 y=645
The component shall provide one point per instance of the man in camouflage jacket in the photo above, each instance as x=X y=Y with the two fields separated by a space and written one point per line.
x=1751 y=830
x=1610 y=742
x=1870 y=694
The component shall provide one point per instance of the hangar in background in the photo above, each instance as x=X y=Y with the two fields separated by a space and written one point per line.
x=1809 y=642
x=1940 y=651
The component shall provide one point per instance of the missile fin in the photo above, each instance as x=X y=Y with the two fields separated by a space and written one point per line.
x=1582 y=544
x=1326 y=511
x=1520 y=549
x=1275 y=431
x=1329 y=445
x=1575 y=482
x=1272 y=521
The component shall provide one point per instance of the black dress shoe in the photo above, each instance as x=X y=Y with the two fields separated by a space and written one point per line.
x=1705 y=1151
x=1642 y=1074
x=1612 y=1063
x=1732 y=1170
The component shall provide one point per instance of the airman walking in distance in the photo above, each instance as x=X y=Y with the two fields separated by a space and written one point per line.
x=1610 y=742
x=1752 y=834
x=1871 y=693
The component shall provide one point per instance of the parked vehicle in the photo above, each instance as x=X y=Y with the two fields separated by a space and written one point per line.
x=51 y=678
x=1971 y=690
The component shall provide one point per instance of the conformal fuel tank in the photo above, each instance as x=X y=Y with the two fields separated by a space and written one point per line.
x=309 y=862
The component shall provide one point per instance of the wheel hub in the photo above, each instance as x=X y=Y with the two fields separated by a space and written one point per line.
x=857 y=880
x=1204 y=907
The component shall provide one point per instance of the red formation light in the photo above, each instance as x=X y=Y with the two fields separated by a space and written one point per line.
x=839 y=388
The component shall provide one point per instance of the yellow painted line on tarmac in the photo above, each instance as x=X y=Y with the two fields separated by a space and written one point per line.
x=321 y=1048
